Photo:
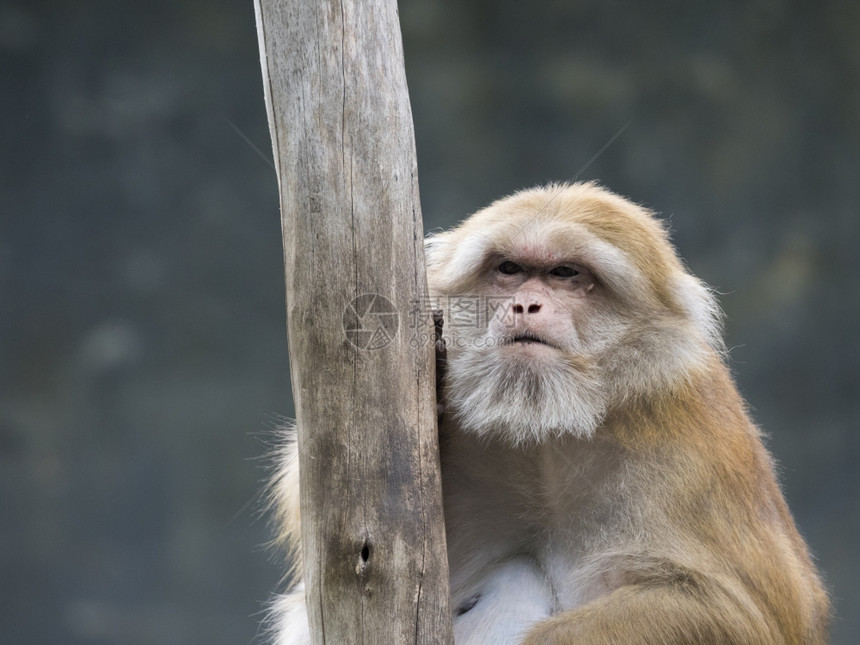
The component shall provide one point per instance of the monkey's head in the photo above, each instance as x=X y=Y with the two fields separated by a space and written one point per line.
x=561 y=303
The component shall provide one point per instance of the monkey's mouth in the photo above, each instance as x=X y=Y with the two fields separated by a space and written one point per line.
x=526 y=338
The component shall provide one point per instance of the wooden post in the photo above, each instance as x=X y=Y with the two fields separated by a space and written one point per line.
x=373 y=540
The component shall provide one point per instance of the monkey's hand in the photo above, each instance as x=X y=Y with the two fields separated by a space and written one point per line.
x=441 y=359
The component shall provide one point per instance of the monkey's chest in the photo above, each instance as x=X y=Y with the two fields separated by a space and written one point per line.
x=501 y=603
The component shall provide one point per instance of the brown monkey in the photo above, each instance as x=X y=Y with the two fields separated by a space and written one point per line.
x=602 y=481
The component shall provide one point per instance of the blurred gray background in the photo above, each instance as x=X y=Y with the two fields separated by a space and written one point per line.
x=143 y=359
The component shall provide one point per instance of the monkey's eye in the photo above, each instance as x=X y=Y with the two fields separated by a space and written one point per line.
x=564 y=272
x=509 y=268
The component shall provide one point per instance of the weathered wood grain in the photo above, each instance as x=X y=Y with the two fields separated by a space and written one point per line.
x=373 y=536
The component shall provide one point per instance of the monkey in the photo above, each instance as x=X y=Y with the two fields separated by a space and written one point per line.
x=603 y=482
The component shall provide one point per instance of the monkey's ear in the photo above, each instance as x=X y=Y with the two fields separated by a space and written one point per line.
x=437 y=250
x=700 y=304
x=453 y=258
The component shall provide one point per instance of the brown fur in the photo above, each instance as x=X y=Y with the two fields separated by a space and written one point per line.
x=651 y=513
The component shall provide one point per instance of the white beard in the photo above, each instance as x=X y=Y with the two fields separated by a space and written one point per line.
x=518 y=398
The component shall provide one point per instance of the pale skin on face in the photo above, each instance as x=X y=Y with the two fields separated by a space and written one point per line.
x=546 y=297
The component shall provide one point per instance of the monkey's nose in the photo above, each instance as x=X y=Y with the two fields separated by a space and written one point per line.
x=532 y=308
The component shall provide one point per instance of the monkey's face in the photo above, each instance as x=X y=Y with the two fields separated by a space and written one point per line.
x=559 y=304
x=526 y=367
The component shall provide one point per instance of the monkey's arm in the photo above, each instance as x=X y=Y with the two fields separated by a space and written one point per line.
x=722 y=568
x=691 y=610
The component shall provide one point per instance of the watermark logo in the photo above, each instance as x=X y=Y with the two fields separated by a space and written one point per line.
x=370 y=321
x=467 y=318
